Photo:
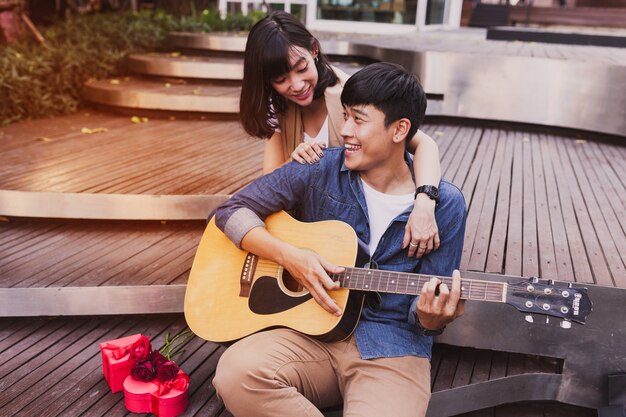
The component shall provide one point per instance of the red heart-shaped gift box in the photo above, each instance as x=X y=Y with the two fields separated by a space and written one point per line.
x=167 y=399
x=116 y=363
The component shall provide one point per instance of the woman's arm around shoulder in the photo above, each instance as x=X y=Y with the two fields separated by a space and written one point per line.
x=421 y=234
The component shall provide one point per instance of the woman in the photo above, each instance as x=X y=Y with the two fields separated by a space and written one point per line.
x=291 y=96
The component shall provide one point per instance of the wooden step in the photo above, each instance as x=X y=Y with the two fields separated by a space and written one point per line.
x=165 y=94
x=176 y=64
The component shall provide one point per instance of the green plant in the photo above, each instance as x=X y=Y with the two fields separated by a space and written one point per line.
x=38 y=82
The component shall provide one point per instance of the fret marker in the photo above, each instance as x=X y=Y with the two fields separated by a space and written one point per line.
x=347 y=276
x=369 y=272
x=393 y=282
x=412 y=283
x=462 y=288
x=367 y=286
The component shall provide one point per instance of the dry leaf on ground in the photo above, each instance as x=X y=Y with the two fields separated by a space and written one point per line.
x=88 y=131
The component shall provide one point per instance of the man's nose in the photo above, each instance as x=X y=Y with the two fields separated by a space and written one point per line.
x=347 y=130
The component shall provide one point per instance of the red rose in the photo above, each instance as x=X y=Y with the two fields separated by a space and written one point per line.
x=167 y=371
x=140 y=350
x=143 y=371
x=157 y=359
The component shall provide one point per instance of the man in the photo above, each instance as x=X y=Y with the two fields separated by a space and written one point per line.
x=383 y=368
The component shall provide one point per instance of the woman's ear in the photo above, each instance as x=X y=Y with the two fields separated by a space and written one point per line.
x=315 y=48
x=401 y=130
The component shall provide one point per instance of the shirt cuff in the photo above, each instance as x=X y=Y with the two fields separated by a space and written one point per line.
x=240 y=223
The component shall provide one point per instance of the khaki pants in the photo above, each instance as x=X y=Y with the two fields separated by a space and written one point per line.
x=281 y=372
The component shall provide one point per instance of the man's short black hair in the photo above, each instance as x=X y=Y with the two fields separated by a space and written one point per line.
x=390 y=89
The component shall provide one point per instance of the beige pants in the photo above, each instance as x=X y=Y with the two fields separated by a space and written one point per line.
x=283 y=373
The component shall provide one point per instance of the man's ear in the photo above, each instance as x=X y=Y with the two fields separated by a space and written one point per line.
x=401 y=129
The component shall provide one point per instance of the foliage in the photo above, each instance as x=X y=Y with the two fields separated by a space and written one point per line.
x=37 y=81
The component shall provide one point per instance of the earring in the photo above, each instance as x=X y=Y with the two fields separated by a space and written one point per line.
x=315 y=59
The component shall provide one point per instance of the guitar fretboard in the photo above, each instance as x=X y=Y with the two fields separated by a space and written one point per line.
x=405 y=283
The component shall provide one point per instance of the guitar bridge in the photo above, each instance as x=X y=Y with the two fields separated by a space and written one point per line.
x=247 y=273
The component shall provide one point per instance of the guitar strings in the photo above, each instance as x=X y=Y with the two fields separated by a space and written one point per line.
x=471 y=288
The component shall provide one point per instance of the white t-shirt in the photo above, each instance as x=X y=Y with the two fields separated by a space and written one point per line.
x=382 y=209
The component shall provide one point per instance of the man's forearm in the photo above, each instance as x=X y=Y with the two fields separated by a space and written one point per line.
x=265 y=245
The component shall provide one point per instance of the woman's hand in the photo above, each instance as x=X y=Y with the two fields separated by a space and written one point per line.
x=421 y=234
x=311 y=271
x=308 y=152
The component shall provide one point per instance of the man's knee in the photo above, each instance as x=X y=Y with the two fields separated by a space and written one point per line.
x=242 y=367
x=227 y=379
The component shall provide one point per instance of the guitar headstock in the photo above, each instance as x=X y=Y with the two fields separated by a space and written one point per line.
x=560 y=300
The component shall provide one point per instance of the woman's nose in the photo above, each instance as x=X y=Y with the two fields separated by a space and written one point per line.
x=297 y=84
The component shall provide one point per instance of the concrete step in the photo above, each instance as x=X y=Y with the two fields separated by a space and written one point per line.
x=166 y=94
x=225 y=42
x=176 y=64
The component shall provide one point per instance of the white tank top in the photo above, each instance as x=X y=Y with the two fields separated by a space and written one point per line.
x=322 y=136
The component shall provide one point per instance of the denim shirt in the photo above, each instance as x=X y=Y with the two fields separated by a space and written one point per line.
x=329 y=191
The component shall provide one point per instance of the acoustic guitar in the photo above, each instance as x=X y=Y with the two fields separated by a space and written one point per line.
x=232 y=293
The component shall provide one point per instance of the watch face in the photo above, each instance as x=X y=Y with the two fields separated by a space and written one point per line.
x=434 y=192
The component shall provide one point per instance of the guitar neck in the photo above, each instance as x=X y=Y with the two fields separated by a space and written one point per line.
x=407 y=283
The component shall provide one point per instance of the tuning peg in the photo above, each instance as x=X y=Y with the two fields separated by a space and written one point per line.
x=529 y=318
x=565 y=324
x=570 y=285
x=547 y=319
x=534 y=280
x=550 y=282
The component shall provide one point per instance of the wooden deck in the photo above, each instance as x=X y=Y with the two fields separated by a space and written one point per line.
x=539 y=204
x=52 y=367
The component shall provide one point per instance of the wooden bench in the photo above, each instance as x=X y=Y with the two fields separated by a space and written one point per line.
x=570 y=16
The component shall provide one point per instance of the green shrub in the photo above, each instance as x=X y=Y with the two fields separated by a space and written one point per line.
x=38 y=82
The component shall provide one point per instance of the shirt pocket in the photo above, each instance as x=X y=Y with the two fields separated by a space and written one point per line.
x=333 y=208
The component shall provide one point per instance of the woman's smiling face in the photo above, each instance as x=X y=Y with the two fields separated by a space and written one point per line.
x=298 y=85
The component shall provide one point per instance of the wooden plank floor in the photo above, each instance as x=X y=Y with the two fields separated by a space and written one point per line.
x=539 y=204
x=42 y=253
x=158 y=157
x=52 y=367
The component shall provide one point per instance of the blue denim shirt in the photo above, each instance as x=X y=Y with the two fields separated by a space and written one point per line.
x=329 y=191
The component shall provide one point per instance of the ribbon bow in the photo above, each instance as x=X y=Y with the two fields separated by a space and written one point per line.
x=181 y=382
x=119 y=352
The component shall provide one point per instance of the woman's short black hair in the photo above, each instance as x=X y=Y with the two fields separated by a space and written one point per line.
x=391 y=89
x=266 y=57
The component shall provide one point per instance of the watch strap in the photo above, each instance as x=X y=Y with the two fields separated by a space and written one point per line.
x=430 y=190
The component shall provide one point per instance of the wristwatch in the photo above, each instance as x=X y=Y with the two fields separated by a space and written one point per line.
x=430 y=190
x=427 y=332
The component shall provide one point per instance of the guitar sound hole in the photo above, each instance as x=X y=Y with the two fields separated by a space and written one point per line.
x=290 y=283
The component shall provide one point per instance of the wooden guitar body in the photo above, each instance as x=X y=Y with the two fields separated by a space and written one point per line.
x=225 y=301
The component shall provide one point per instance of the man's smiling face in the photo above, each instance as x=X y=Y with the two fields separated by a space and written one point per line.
x=367 y=141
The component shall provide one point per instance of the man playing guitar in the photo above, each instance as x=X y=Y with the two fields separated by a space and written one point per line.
x=383 y=368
